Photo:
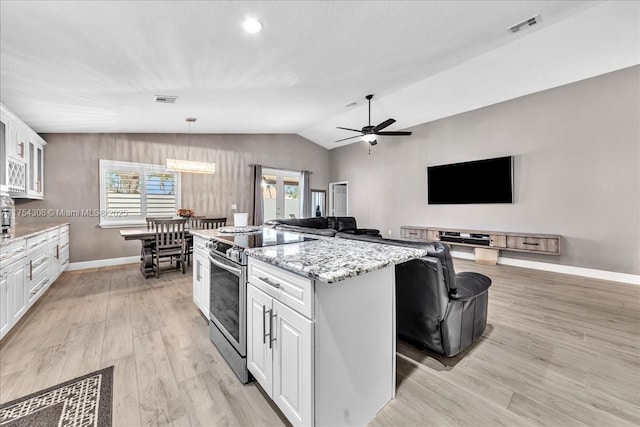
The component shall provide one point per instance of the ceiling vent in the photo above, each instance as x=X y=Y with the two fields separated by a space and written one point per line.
x=165 y=99
x=524 y=24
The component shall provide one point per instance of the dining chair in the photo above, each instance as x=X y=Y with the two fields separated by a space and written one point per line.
x=211 y=223
x=196 y=222
x=150 y=220
x=170 y=243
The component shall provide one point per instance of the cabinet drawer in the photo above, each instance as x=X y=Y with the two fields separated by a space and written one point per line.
x=64 y=234
x=54 y=235
x=413 y=233
x=534 y=244
x=37 y=263
x=36 y=242
x=12 y=252
x=37 y=287
x=291 y=289
x=199 y=244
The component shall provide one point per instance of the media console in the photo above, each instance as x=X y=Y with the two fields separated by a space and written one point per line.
x=487 y=244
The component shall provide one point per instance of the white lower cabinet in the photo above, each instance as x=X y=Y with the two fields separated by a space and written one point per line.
x=29 y=267
x=13 y=298
x=201 y=275
x=279 y=354
x=323 y=352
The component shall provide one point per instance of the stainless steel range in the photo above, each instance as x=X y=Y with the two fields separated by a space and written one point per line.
x=228 y=296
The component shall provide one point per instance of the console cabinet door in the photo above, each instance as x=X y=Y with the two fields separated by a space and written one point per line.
x=259 y=344
x=293 y=364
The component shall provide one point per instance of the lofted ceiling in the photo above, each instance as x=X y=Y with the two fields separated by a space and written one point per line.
x=87 y=66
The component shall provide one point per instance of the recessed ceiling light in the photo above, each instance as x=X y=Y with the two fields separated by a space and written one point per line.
x=252 y=26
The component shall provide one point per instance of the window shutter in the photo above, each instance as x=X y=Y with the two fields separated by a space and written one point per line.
x=161 y=194
x=123 y=193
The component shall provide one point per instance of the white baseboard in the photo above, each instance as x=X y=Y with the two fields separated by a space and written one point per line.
x=559 y=268
x=109 y=262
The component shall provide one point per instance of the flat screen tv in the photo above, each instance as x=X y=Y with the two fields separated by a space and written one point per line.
x=480 y=181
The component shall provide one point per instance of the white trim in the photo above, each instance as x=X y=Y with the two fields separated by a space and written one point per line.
x=559 y=268
x=108 y=262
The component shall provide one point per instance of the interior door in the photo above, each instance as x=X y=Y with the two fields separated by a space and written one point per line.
x=339 y=198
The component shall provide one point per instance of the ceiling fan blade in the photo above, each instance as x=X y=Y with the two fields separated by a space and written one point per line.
x=351 y=137
x=354 y=130
x=383 y=125
x=392 y=133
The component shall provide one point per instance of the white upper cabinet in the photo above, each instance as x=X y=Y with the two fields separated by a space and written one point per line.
x=22 y=157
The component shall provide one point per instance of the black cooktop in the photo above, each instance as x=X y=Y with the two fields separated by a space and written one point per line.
x=262 y=238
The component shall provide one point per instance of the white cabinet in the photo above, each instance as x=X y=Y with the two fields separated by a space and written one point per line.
x=22 y=157
x=4 y=304
x=12 y=284
x=35 y=189
x=29 y=267
x=279 y=354
x=323 y=352
x=201 y=276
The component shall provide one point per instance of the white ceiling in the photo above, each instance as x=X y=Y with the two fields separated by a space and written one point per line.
x=97 y=66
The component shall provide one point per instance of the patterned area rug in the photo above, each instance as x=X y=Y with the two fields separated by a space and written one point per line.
x=83 y=401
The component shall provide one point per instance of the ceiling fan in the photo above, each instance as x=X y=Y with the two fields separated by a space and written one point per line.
x=369 y=133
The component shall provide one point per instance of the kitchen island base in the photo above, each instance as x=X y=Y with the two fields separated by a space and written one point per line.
x=329 y=363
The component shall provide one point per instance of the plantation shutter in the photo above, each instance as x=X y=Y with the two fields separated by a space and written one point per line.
x=130 y=192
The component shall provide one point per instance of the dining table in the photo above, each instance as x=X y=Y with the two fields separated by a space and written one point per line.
x=147 y=237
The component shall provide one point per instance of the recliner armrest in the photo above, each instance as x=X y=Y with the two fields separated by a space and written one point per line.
x=469 y=285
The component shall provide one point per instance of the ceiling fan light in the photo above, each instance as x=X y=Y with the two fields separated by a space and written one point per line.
x=252 y=26
x=369 y=137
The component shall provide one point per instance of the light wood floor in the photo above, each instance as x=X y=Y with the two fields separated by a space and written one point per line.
x=558 y=351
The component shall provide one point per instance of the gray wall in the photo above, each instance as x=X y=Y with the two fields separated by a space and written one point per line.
x=72 y=176
x=577 y=162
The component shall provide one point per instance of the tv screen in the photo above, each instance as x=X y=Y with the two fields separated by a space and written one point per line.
x=480 y=181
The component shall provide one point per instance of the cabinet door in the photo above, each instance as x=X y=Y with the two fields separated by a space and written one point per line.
x=206 y=289
x=198 y=278
x=36 y=168
x=293 y=364
x=4 y=303
x=259 y=344
x=17 y=288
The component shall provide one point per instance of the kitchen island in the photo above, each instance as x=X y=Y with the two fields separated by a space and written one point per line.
x=321 y=327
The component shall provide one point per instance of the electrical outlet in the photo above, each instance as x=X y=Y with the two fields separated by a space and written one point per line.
x=389 y=232
x=233 y=206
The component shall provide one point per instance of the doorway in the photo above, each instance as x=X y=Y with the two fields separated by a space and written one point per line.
x=339 y=198
x=281 y=194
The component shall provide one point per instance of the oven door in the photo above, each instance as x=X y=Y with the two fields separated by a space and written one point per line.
x=228 y=300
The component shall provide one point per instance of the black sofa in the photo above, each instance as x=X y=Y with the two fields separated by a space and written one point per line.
x=435 y=307
x=329 y=226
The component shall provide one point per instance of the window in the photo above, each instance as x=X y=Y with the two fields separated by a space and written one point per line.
x=130 y=192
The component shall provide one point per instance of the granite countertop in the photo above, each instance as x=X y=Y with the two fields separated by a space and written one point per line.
x=334 y=259
x=24 y=231
x=207 y=234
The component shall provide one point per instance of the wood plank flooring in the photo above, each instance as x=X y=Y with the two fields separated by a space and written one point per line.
x=558 y=351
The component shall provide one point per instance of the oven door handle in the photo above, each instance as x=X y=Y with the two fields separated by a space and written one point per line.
x=235 y=271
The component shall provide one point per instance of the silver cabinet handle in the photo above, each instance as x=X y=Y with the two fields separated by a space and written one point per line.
x=269 y=282
x=271 y=317
x=264 y=325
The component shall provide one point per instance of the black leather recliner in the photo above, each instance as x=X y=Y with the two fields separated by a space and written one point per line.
x=435 y=307
x=328 y=226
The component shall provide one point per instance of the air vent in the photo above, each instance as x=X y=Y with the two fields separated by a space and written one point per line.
x=166 y=99
x=525 y=24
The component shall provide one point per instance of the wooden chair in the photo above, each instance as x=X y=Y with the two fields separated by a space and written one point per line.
x=150 y=220
x=211 y=223
x=170 y=243
x=196 y=222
